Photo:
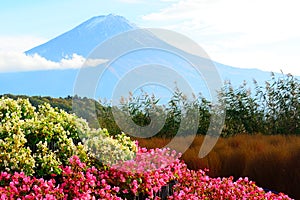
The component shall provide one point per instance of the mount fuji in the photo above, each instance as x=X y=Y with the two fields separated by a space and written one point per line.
x=82 y=40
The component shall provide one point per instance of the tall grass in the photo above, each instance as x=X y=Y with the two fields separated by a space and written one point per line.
x=272 y=161
x=273 y=108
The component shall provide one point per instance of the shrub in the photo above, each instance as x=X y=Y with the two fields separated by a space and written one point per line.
x=38 y=141
x=107 y=149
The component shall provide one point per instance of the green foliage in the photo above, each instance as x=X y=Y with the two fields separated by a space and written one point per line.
x=38 y=141
x=270 y=109
x=280 y=101
x=273 y=109
x=32 y=141
x=242 y=113
x=107 y=149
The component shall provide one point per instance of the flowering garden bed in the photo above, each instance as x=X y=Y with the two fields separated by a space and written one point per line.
x=42 y=158
x=128 y=180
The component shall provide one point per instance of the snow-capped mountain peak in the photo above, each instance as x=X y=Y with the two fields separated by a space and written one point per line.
x=83 y=38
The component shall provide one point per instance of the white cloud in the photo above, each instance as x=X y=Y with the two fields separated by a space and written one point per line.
x=239 y=16
x=94 y=62
x=16 y=62
x=261 y=59
x=13 y=58
x=240 y=33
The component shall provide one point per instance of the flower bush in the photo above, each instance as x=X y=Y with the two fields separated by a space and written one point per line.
x=147 y=173
x=37 y=141
x=77 y=181
x=197 y=185
x=107 y=149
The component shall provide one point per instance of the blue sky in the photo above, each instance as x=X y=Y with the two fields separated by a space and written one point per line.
x=260 y=34
x=49 y=18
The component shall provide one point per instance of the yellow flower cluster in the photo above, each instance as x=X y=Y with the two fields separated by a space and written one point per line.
x=107 y=149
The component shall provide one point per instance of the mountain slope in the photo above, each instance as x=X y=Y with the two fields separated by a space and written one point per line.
x=83 y=38
x=88 y=35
